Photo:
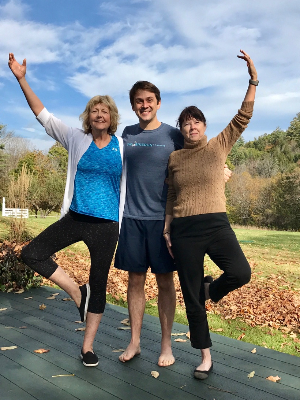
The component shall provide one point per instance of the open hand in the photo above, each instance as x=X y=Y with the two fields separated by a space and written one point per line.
x=250 y=65
x=227 y=173
x=18 y=70
x=168 y=243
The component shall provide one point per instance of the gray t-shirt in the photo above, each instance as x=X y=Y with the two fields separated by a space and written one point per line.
x=147 y=154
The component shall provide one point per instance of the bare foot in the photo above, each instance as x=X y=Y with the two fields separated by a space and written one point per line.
x=131 y=351
x=166 y=358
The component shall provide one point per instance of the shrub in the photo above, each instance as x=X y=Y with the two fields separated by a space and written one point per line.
x=14 y=274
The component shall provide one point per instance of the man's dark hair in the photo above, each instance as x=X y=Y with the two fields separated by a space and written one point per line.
x=188 y=113
x=143 y=85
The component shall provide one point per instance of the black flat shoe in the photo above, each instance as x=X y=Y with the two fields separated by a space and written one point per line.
x=202 y=374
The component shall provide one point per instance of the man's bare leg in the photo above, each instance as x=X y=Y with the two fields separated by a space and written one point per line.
x=166 y=309
x=136 y=308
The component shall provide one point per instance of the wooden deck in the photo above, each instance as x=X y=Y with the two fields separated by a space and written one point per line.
x=27 y=375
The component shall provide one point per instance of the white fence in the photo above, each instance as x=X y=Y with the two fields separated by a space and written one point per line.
x=14 y=212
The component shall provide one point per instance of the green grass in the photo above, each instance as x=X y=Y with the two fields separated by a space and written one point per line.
x=273 y=252
x=273 y=240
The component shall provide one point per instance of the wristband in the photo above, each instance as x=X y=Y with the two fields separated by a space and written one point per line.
x=252 y=82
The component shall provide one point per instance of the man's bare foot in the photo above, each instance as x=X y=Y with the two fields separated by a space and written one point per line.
x=131 y=351
x=166 y=358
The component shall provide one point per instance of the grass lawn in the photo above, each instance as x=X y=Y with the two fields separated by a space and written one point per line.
x=273 y=253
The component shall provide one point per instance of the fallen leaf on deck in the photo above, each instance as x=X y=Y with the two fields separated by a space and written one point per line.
x=180 y=340
x=253 y=351
x=124 y=328
x=241 y=336
x=178 y=334
x=251 y=375
x=217 y=330
x=8 y=348
x=67 y=299
x=56 y=376
x=155 y=374
x=78 y=322
x=118 y=350
x=55 y=294
x=20 y=291
x=42 y=307
x=273 y=378
x=188 y=335
x=51 y=298
x=80 y=329
x=126 y=322
x=41 y=351
x=23 y=327
x=3 y=309
x=27 y=298
x=9 y=327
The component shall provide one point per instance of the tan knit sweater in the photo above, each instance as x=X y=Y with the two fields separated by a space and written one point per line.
x=196 y=173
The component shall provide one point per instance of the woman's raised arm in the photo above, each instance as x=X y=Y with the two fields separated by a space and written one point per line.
x=250 y=94
x=19 y=72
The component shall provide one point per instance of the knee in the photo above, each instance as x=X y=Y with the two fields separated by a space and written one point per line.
x=244 y=275
x=26 y=255
x=165 y=282
x=136 y=279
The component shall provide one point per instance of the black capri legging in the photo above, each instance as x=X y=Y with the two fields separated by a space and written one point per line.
x=100 y=236
x=192 y=238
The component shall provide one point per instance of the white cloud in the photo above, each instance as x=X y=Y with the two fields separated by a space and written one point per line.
x=14 y=10
x=188 y=49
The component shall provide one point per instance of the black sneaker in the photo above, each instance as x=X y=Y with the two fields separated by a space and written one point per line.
x=89 y=359
x=85 y=297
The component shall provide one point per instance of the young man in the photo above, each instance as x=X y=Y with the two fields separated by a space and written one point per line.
x=148 y=145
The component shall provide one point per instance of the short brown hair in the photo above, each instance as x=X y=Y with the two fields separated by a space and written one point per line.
x=143 y=85
x=188 y=113
x=114 y=113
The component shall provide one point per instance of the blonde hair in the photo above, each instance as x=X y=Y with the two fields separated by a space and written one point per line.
x=114 y=113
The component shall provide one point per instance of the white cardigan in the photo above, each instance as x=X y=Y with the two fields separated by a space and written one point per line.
x=76 y=142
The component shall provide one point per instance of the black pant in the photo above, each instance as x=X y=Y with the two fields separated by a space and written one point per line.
x=100 y=236
x=191 y=238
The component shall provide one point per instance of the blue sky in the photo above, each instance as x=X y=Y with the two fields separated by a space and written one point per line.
x=76 y=49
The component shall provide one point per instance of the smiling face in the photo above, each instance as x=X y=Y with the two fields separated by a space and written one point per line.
x=99 y=118
x=145 y=105
x=193 y=129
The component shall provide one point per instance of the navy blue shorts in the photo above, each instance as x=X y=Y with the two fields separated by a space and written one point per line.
x=142 y=245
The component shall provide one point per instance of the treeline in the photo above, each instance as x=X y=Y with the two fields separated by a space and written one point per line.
x=265 y=188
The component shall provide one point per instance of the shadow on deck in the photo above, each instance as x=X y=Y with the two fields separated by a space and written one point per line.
x=27 y=375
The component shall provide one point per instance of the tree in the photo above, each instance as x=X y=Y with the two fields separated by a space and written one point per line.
x=286 y=201
x=47 y=185
x=59 y=155
x=293 y=131
x=46 y=195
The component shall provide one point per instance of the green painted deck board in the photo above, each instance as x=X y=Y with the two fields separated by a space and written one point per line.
x=31 y=374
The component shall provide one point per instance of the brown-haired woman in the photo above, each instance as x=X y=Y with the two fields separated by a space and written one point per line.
x=196 y=221
x=92 y=207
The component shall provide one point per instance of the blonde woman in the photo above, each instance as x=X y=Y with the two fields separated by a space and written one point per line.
x=92 y=207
